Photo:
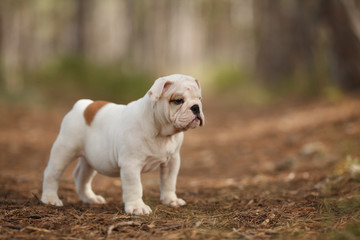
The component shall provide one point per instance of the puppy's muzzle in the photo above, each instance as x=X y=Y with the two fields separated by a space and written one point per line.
x=196 y=110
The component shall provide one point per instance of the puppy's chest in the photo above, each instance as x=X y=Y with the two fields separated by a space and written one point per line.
x=158 y=156
x=152 y=163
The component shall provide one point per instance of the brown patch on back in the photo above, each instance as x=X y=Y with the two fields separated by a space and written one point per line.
x=92 y=109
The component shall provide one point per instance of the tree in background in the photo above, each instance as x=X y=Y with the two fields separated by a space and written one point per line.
x=10 y=51
x=156 y=37
x=302 y=38
x=342 y=18
x=298 y=44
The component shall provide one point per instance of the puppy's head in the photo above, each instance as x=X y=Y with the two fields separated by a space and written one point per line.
x=177 y=102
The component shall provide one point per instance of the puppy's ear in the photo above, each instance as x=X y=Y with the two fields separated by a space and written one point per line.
x=198 y=83
x=159 y=88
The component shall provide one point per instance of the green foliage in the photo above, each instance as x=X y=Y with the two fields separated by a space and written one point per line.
x=333 y=93
x=68 y=79
x=342 y=207
x=72 y=78
x=235 y=84
x=343 y=166
x=350 y=231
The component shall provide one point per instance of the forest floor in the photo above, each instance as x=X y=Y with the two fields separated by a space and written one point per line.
x=285 y=172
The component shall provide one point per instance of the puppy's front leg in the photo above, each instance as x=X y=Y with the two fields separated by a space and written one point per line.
x=168 y=177
x=132 y=191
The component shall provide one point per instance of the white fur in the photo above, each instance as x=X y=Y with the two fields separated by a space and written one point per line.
x=125 y=140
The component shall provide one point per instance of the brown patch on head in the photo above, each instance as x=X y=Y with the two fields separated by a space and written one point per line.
x=92 y=109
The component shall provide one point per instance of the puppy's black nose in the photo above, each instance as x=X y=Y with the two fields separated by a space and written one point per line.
x=195 y=109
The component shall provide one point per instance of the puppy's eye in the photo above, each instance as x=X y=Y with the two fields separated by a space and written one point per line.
x=177 y=101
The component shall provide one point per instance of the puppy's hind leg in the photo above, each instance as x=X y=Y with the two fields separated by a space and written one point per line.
x=62 y=153
x=84 y=175
x=66 y=148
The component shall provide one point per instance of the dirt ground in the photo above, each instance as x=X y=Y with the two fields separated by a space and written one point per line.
x=272 y=173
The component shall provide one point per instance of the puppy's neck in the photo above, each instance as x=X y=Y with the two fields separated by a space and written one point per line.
x=167 y=131
x=160 y=125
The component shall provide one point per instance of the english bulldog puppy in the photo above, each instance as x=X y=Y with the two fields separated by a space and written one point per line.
x=126 y=140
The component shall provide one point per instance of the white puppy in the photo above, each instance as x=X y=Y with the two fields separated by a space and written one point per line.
x=125 y=140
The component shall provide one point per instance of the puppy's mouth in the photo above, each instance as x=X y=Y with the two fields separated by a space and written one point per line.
x=197 y=121
x=200 y=119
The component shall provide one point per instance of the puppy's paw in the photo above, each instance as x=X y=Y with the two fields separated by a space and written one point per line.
x=96 y=199
x=172 y=200
x=52 y=200
x=137 y=208
x=100 y=200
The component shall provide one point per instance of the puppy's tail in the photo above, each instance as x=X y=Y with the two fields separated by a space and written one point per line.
x=73 y=125
x=81 y=105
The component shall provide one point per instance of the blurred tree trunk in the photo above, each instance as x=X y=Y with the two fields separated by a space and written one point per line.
x=83 y=8
x=289 y=42
x=10 y=29
x=285 y=35
x=346 y=42
x=272 y=50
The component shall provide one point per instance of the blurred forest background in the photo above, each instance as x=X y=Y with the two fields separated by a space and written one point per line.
x=279 y=157
x=253 y=51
